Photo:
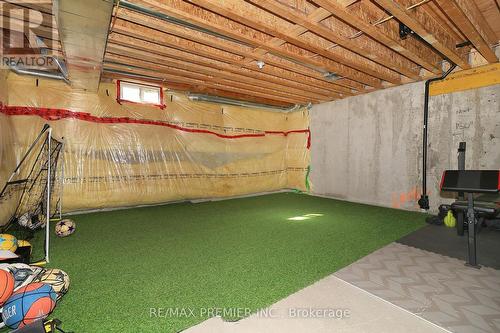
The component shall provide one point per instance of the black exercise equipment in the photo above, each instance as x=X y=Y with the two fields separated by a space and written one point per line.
x=423 y=202
x=461 y=166
x=41 y=326
x=471 y=182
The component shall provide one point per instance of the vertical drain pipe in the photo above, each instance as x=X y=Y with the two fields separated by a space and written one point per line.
x=423 y=202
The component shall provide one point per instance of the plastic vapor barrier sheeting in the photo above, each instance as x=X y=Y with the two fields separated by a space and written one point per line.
x=125 y=154
x=7 y=154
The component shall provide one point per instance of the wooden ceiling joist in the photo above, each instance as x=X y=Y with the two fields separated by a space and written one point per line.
x=280 y=52
x=427 y=28
x=129 y=43
x=183 y=87
x=209 y=45
x=50 y=35
x=372 y=51
x=296 y=31
x=175 y=60
x=116 y=52
x=479 y=20
x=238 y=10
x=466 y=16
x=43 y=6
x=13 y=10
x=380 y=33
x=199 y=81
x=437 y=14
x=215 y=81
x=289 y=65
x=158 y=44
x=209 y=20
x=226 y=56
x=15 y=19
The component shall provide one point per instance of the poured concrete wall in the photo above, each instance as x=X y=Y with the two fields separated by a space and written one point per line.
x=368 y=148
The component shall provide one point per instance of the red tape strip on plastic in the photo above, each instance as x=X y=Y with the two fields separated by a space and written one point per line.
x=58 y=114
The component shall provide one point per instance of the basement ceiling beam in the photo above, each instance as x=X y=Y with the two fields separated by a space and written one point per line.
x=213 y=69
x=371 y=50
x=347 y=3
x=379 y=33
x=49 y=35
x=127 y=44
x=174 y=67
x=200 y=81
x=8 y=9
x=469 y=20
x=296 y=31
x=480 y=22
x=83 y=29
x=427 y=28
x=209 y=20
x=44 y=6
x=200 y=44
x=182 y=87
x=239 y=11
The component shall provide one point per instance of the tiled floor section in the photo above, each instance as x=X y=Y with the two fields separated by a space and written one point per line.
x=367 y=314
x=435 y=287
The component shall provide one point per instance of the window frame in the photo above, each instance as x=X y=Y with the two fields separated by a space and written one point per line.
x=120 y=100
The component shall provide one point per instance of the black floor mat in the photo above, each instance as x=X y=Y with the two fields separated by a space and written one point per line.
x=445 y=241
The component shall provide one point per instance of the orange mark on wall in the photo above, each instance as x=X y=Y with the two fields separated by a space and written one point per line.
x=402 y=199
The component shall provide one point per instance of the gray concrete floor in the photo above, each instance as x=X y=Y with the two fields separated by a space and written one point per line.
x=331 y=298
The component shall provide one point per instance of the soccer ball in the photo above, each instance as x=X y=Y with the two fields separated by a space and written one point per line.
x=57 y=278
x=32 y=221
x=24 y=220
x=23 y=274
x=8 y=242
x=65 y=227
x=38 y=221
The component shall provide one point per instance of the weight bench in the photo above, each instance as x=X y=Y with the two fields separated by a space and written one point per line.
x=471 y=182
x=488 y=205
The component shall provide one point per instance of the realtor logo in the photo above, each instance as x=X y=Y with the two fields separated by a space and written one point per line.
x=27 y=34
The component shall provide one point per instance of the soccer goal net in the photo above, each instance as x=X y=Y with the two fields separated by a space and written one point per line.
x=32 y=194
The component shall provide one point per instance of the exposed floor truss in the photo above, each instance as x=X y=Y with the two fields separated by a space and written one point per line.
x=309 y=51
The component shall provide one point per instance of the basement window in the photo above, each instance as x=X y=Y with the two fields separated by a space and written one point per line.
x=139 y=93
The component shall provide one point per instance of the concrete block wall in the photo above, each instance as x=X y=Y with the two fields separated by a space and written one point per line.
x=368 y=148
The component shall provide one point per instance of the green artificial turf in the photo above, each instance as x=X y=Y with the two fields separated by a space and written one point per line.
x=241 y=253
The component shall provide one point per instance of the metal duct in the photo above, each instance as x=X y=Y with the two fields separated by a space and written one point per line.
x=173 y=20
x=236 y=102
x=83 y=31
x=170 y=19
x=61 y=65
x=38 y=73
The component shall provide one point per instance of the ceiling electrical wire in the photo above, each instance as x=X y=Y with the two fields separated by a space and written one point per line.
x=378 y=22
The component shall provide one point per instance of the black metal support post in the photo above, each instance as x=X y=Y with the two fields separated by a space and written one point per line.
x=471 y=222
x=423 y=202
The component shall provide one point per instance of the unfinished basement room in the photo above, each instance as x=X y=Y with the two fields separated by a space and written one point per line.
x=250 y=166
